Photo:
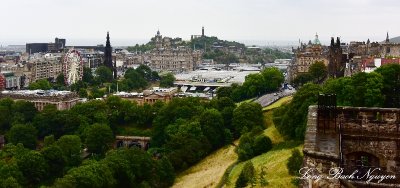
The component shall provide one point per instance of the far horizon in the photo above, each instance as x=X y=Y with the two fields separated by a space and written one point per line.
x=132 y=42
x=255 y=21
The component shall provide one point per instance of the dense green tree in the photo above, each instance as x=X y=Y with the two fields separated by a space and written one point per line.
x=302 y=79
x=87 y=75
x=24 y=134
x=293 y=118
x=9 y=182
x=83 y=93
x=261 y=144
x=133 y=167
x=95 y=111
x=391 y=84
x=9 y=172
x=294 y=162
x=212 y=125
x=196 y=146
x=6 y=114
x=273 y=78
x=224 y=92
x=54 y=158
x=40 y=84
x=23 y=111
x=167 y=80
x=247 y=115
x=71 y=149
x=104 y=74
x=245 y=148
x=33 y=166
x=60 y=80
x=91 y=174
x=134 y=80
x=246 y=176
x=254 y=85
x=49 y=140
x=178 y=108
x=47 y=122
x=318 y=71
x=147 y=73
x=99 y=138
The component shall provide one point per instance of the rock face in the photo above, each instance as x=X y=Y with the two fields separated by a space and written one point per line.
x=345 y=148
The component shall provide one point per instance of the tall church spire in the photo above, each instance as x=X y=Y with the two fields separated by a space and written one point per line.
x=108 y=40
x=387 y=37
x=108 y=54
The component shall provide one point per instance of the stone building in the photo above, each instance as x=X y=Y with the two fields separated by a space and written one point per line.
x=11 y=81
x=169 y=56
x=337 y=59
x=47 y=66
x=352 y=140
x=2 y=82
x=63 y=100
x=307 y=55
x=367 y=56
x=149 y=96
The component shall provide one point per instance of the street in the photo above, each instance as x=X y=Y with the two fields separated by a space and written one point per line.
x=269 y=98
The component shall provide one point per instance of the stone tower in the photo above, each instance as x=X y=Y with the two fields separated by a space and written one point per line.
x=336 y=65
x=158 y=38
x=387 y=37
x=108 y=62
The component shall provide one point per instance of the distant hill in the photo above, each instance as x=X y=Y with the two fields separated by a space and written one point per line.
x=395 y=40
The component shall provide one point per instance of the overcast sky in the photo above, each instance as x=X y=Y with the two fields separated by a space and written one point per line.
x=85 y=22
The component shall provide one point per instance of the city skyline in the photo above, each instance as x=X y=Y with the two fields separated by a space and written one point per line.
x=252 y=22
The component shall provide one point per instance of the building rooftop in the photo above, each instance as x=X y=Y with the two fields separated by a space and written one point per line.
x=37 y=93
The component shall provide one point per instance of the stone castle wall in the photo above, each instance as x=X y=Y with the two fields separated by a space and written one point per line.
x=356 y=139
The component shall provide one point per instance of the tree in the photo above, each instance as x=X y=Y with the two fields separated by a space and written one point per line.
x=71 y=149
x=224 y=92
x=82 y=93
x=246 y=176
x=134 y=79
x=92 y=174
x=302 y=79
x=262 y=144
x=293 y=118
x=32 y=165
x=294 y=162
x=254 y=85
x=47 y=122
x=167 y=80
x=23 y=111
x=391 y=84
x=24 y=134
x=54 y=158
x=60 y=80
x=87 y=75
x=104 y=74
x=273 y=78
x=99 y=138
x=6 y=114
x=147 y=73
x=212 y=126
x=40 y=84
x=318 y=71
x=247 y=115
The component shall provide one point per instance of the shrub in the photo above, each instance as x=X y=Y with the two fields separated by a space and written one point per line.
x=294 y=163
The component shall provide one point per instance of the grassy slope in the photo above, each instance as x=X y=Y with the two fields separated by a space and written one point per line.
x=274 y=161
x=208 y=171
x=278 y=103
